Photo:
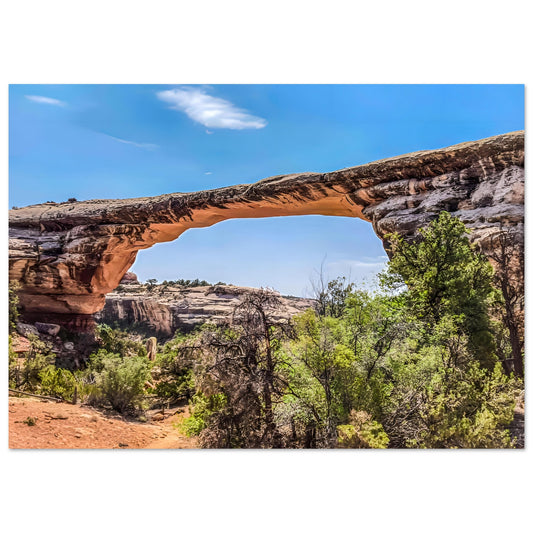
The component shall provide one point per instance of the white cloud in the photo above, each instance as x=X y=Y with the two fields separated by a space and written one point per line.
x=359 y=271
x=208 y=173
x=146 y=146
x=366 y=262
x=45 y=100
x=211 y=111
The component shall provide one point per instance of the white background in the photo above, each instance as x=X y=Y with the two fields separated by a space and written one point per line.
x=231 y=41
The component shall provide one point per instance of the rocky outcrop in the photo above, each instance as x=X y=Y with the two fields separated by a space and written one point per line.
x=129 y=278
x=165 y=309
x=68 y=256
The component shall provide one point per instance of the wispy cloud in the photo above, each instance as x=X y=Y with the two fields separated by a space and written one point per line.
x=365 y=262
x=211 y=111
x=145 y=146
x=45 y=100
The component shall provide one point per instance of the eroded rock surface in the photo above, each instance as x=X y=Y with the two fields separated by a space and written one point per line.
x=68 y=256
x=166 y=309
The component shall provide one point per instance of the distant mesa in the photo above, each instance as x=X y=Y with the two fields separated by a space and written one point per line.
x=169 y=308
x=68 y=256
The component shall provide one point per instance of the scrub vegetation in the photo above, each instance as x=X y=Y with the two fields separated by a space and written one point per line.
x=431 y=359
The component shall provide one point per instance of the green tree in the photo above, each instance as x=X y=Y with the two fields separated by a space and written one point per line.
x=151 y=283
x=118 y=341
x=445 y=276
x=319 y=357
x=173 y=369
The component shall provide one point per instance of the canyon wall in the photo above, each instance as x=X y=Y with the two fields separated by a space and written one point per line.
x=164 y=309
x=68 y=256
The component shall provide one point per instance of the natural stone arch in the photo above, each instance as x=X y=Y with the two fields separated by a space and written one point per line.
x=68 y=256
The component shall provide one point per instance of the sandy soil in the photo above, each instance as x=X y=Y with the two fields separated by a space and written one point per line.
x=35 y=423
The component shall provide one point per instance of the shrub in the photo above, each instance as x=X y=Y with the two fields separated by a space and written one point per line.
x=119 y=381
x=203 y=407
x=14 y=287
x=14 y=370
x=26 y=376
x=58 y=382
x=175 y=380
x=173 y=370
x=117 y=341
x=362 y=432
x=469 y=409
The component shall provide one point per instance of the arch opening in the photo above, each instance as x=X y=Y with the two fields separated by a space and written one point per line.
x=283 y=253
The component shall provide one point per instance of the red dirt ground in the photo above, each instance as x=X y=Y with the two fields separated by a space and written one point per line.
x=66 y=426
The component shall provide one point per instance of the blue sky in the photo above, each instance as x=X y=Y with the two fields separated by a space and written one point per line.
x=119 y=141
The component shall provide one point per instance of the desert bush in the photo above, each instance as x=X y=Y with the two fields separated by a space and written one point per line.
x=118 y=381
x=175 y=379
x=24 y=372
x=469 y=408
x=58 y=382
x=362 y=432
x=173 y=369
x=204 y=408
x=14 y=287
x=118 y=341
x=13 y=365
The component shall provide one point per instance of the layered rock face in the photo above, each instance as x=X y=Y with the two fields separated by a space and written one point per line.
x=68 y=256
x=164 y=310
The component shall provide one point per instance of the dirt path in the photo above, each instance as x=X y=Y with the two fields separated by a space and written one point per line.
x=172 y=438
x=35 y=423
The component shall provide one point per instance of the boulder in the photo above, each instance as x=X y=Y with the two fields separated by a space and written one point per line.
x=26 y=329
x=47 y=329
x=129 y=278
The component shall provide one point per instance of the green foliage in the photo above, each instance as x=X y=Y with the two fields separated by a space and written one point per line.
x=320 y=358
x=58 y=382
x=150 y=284
x=203 y=407
x=14 y=287
x=118 y=341
x=119 y=381
x=191 y=283
x=24 y=373
x=468 y=408
x=173 y=370
x=446 y=277
x=14 y=369
x=410 y=366
x=362 y=432
x=331 y=296
x=342 y=365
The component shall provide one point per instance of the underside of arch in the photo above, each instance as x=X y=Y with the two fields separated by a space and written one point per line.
x=68 y=256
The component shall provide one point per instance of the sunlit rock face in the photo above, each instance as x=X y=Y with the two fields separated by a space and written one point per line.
x=68 y=256
x=166 y=309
